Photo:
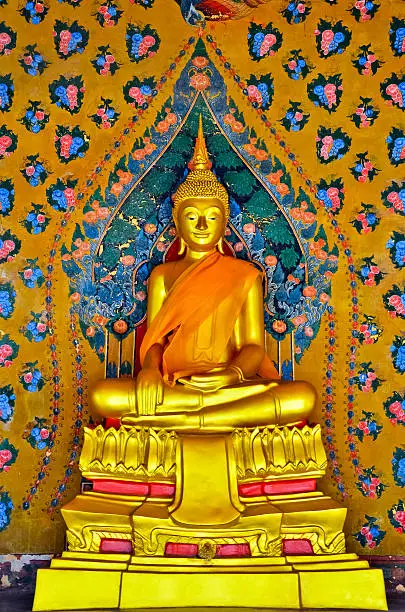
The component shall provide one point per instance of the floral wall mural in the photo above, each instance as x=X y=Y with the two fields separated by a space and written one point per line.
x=303 y=109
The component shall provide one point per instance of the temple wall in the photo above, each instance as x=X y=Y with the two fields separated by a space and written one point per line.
x=41 y=415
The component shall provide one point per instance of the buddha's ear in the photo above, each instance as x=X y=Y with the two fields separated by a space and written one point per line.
x=220 y=246
x=182 y=246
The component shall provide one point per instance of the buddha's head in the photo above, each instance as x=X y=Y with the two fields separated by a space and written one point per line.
x=200 y=204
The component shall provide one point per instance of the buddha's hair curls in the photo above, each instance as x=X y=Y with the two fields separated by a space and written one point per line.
x=201 y=184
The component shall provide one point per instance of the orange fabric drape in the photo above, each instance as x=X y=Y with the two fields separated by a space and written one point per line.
x=193 y=297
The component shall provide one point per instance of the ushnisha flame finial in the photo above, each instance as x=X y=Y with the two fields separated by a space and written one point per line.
x=200 y=159
x=201 y=182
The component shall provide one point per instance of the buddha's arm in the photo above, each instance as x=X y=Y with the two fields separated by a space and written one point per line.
x=149 y=382
x=156 y=293
x=250 y=332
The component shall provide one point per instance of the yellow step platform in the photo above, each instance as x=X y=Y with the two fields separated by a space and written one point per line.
x=86 y=581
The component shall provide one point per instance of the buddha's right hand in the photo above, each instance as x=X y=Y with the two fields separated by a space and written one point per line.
x=149 y=391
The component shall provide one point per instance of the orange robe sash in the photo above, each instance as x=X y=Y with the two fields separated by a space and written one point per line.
x=193 y=297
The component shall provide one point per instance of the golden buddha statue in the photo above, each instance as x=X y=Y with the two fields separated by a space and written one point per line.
x=205 y=495
x=204 y=363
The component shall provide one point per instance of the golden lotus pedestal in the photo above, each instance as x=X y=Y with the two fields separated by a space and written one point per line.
x=219 y=520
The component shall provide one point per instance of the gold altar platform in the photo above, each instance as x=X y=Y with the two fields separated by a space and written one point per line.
x=80 y=581
x=264 y=481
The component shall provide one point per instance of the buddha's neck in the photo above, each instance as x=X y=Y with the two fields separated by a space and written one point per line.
x=192 y=256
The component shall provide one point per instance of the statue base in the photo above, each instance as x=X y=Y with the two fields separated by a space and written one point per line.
x=83 y=581
x=179 y=520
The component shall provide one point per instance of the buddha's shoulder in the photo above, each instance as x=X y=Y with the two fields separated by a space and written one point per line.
x=163 y=271
x=242 y=266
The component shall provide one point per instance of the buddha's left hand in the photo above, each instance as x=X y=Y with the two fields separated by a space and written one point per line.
x=210 y=382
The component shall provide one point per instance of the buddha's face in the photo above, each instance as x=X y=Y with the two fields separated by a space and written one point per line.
x=201 y=223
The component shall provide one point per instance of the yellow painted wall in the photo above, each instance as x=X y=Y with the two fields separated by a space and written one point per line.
x=37 y=529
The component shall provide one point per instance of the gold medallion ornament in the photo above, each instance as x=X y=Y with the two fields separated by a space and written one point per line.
x=201 y=488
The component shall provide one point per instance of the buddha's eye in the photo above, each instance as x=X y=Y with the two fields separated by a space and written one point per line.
x=191 y=217
x=213 y=218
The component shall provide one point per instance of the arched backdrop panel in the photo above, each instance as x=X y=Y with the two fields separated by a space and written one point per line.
x=111 y=278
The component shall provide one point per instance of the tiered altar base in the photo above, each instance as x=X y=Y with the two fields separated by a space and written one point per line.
x=82 y=581
x=180 y=520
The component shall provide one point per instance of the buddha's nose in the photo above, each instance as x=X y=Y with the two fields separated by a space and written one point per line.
x=202 y=223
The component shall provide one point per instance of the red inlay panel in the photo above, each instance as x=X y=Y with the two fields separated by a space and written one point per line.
x=233 y=550
x=277 y=487
x=120 y=487
x=251 y=489
x=128 y=487
x=160 y=489
x=176 y=549
x=297 y=547
x=114 y=545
